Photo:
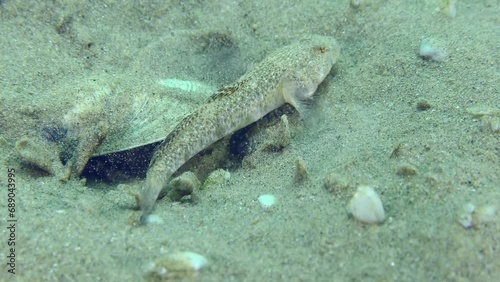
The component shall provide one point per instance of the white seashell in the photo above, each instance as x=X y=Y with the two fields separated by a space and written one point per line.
x=154 y=219
x=177 y=265
x=366 y=205
x=267 y=200
x=187 y=85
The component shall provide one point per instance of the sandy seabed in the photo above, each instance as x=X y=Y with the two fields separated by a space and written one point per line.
x=385 y=117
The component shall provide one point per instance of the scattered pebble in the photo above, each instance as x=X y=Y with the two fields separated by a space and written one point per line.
x=267 y=200
x=366 y=205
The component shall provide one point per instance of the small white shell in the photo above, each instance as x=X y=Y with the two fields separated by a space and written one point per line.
x=267 y=200
x=187 y=85
x=366 y=205
x=177 y=265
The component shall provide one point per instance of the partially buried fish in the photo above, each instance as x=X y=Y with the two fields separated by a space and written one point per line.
x=288 y=75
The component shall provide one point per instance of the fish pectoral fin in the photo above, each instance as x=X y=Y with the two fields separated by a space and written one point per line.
x=297 y=93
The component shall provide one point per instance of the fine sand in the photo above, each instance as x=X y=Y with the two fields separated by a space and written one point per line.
x=385 y=117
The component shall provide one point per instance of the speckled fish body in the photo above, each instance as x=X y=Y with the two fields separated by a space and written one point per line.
x=288 y=75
